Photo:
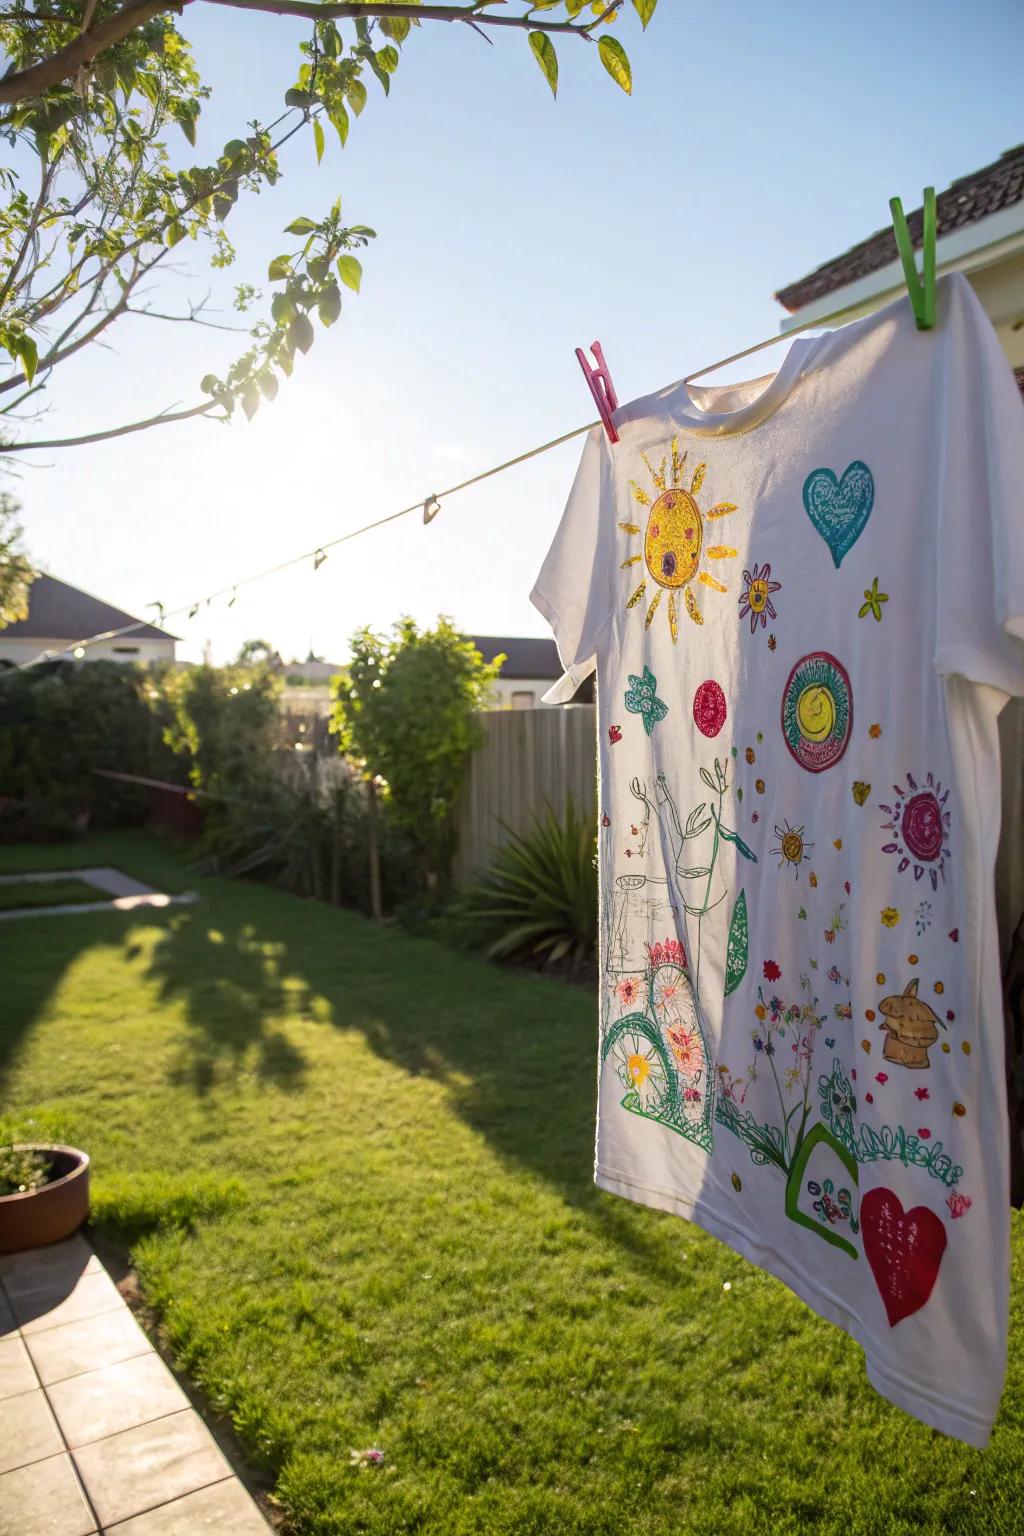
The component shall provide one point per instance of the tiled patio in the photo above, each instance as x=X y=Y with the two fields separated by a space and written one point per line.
x=96 y=1436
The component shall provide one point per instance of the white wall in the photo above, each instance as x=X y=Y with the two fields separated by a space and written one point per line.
x=127 y=649
x=505 y=689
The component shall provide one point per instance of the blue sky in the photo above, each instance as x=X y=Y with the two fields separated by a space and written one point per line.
x=759 y=141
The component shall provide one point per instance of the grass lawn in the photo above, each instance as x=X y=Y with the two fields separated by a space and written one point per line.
x=46 y=893
x=354 y=1172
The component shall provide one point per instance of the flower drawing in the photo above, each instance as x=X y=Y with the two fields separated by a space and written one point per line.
x=873 y=602
x=641 y=699
x=756 y=598
x=771 y=971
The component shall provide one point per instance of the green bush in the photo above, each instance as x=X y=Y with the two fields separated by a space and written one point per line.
x=539 y=895
x=58 y=724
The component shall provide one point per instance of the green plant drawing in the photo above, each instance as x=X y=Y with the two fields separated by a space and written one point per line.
x=888 y=1144
x=781 y=1023
x=707 y=814
x=738 y=944
x=831 y=1206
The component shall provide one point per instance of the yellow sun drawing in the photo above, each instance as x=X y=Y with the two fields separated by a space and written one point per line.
x=792 y=849
x=675 y=552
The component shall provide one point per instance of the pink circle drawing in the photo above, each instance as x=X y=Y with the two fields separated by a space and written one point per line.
x=922 y=826
x=709 y=709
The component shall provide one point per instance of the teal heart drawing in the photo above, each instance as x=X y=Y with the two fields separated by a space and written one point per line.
x=839 y=508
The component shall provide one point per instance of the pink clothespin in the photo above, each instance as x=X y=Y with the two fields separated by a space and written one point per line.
x=601 y=387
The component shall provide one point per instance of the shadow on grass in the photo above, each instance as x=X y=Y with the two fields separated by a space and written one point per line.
x=232 y=985
x=514 y=1052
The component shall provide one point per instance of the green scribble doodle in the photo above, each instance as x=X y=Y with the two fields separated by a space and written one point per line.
x=737 y=947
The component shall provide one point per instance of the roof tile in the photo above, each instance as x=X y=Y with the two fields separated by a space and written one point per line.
x=967 y=200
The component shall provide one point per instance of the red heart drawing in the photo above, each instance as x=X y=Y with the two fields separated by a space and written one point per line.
x=955 y=935
x=614 y=734
x=904 y=1249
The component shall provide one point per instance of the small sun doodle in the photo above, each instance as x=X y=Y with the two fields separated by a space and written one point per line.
x=919 y=823
x=675 y=553
x=792 y=849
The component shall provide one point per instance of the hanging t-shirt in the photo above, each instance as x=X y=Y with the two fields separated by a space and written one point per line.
x=805 y=596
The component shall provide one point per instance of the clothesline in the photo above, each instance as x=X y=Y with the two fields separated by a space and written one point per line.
x=429 y=507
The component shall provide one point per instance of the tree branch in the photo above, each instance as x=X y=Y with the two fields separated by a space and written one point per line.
x=62 y=65
x=65 y=63
x=102 y=437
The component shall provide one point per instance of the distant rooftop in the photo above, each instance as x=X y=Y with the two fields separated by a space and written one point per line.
x=58 y=611
x=527 y=657
x=968 y=200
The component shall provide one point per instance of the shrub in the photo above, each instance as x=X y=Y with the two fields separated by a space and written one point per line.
x=539 y=895
x=407 y=707
x=21 y=1170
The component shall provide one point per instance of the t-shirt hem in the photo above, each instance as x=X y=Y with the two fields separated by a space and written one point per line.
x=958 y=1420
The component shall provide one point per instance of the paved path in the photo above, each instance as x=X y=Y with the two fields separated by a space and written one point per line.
x=122 y=892
x=96 y=1436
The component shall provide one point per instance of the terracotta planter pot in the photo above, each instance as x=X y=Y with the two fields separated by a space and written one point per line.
x=41 y=1216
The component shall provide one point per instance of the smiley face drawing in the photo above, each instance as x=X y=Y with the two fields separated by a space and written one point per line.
x=817 y=711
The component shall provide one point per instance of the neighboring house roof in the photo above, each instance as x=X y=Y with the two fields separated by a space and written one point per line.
x=525 y=656
x=969 y=199
x=58 y=611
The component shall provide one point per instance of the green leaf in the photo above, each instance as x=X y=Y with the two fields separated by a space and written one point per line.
x=734 y=837
x=544 y=53
x=318 y=139
x=175 y=232
x=350 y=271
x=645 y=10
x=187 y=124
x=268 y=384
x=339 y=117
x=282 y=309
x=355 y=91
x=296 y=97
x=301 y=226
x=300 y=333
x=250 y=401
x=329 y=305
x=29 y=354
x=378 y=69
x=208 y=383
x=395 y=27
x=281 y=266
x=737 y=946
x=613 y=57
x=331 y=38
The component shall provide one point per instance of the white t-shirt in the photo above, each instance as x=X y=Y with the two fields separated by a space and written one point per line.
x=805 y=596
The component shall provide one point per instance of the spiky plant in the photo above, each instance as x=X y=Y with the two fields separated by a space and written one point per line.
x=540 y=893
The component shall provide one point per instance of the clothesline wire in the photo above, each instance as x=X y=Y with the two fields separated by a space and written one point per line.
x=320 y=550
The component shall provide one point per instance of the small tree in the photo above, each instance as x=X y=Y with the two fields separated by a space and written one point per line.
x=97 y=195
x=16 y=574
x=225 y=720
x=407 y=709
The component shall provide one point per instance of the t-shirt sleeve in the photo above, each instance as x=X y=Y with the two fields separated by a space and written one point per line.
x=980 y=491
x=574 y=588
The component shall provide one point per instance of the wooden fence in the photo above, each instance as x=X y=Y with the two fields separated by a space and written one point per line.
x=531 y=758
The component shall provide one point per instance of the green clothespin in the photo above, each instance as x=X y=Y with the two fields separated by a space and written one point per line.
x=921 y=289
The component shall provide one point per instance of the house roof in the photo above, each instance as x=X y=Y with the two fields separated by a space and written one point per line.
x=526 y=656
x=58 y=611
x=966 y=201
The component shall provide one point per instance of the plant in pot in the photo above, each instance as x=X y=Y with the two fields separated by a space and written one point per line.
x=44 y=1194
